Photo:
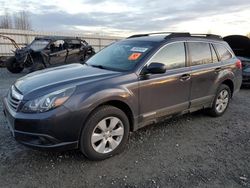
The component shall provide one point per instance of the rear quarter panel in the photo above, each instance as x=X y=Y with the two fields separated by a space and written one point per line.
x=230 y=72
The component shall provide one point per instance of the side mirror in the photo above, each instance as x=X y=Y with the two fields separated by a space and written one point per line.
x=154 y=68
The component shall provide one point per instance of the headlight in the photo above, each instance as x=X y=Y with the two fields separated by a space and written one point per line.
x=48 y=102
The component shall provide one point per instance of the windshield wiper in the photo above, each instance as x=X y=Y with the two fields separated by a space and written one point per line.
x=99 y=66
x=104 y=67
x=84 y=63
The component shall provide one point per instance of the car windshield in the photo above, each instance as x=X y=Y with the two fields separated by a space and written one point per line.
x=121 y=56
x=37 y=45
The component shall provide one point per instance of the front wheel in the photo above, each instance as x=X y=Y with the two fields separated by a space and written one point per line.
x=221 y=101
x=105 y=133
x=13 y=66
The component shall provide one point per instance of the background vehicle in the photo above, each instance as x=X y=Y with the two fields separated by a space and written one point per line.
x=241 y=47
x=126 y=86
x=44 y=52
x=2 y=61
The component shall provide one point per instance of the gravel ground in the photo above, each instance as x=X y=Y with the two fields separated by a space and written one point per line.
x=190 y=151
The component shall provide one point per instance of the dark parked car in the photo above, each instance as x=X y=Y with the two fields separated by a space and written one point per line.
x=126 y=86
x=2 y=62
x=241 y=47
x=44 y=52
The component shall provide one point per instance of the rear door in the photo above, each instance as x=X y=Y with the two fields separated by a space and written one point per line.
x=205 y=70
x=167 y=93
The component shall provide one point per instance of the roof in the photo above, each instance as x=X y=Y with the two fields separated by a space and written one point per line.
x=57 y=38
x=155 y=38
x=163 y=36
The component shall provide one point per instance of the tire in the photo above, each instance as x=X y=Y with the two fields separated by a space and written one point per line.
x=13 y=66
x=37 y=66
x=107 y=141
x=221 y=101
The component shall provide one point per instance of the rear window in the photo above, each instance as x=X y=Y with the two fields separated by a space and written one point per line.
x=200 y=53
x=223 y=52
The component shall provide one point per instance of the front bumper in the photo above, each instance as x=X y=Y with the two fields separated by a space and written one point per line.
x=52 y=130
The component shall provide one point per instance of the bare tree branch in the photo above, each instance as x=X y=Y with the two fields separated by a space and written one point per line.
x=22 y=21
x=6 y=21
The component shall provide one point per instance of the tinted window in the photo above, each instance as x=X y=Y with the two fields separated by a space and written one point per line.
x=214 y=56
x=172 y=55
x=200 y=53
x=223 y=52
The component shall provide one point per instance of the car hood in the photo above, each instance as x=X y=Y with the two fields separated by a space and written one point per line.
x=63 y=76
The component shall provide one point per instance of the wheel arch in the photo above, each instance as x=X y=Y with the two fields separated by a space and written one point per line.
x=124 y=107
x=116 y=102
x=230 y=84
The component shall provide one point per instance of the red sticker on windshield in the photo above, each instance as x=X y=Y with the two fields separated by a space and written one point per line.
x=134 y=56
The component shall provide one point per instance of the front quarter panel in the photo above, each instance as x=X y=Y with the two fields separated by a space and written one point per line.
x=88 y=97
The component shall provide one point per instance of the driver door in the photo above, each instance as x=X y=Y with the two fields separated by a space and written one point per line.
x=167 y=93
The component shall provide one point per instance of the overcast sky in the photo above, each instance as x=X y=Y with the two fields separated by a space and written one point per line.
x=135 y=16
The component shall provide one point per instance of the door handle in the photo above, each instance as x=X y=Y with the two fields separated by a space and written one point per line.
x=218 y=69
x=185 y=77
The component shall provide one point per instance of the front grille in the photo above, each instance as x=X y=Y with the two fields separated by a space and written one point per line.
x=14 y=98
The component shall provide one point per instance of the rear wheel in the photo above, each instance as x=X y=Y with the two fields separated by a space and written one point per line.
x=13 y=66
x=105 y=133
x=221 y=101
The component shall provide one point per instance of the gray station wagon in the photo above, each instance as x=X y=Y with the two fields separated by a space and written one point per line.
x=130 y=84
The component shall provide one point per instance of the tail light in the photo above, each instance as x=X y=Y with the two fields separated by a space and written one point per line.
x=238 y=64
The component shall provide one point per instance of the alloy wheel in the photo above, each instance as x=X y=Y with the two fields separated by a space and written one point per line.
x=222 y=101
x=107 y=135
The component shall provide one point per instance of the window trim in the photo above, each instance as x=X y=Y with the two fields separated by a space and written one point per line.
x=139 y=70
x=188 y=62
x=212 y=43
x=218 y=54
x=167 y=46
x=201 y=65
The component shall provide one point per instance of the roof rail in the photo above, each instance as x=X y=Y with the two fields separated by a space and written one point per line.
x=212 y=36
x=178 y=34
x=160 y=33
x=138 y=35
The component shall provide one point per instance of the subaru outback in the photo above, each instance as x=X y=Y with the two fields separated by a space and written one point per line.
x=132 y=83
